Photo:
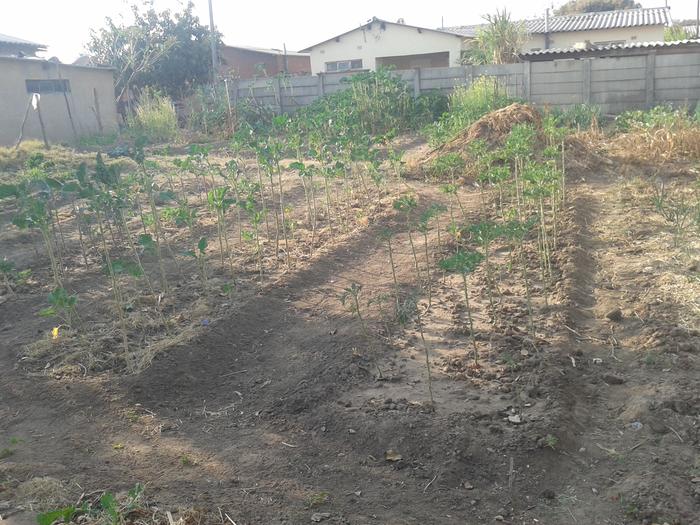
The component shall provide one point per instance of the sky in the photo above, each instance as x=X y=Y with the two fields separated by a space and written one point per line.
x=64 y=26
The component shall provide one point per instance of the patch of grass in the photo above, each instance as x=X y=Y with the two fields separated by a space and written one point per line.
x=551 y=441
x=657 y=117
x=316 y=500
x=154 y=118
x=578 y=116
x=6 y=453
x=466 y=105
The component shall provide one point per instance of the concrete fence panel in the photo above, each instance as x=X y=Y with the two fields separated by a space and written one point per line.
x=614 y=83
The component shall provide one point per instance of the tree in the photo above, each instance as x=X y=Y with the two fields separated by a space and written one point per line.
x=498 y=42
x=163 y=50
x=676 y=32
x=573 y=7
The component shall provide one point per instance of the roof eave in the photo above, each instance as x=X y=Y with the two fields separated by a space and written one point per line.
x=337 y=37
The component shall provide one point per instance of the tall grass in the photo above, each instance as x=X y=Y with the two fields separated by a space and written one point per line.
x=466 y=105
x=154 y=118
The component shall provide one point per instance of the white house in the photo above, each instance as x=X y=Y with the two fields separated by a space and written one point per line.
x=383 y=43
x=596 y=29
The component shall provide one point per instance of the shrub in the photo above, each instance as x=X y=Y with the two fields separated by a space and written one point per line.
x=578 y=116
x=154 y=118
x=466 y=105
x=207 y=110
x=428 y=108
x=656 y=117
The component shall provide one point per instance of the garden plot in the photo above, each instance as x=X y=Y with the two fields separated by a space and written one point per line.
x=235 y=336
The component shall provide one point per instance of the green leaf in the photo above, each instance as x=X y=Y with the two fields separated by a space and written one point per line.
x=166 y=196
x=463 y=262
x=47 y=312
x=131 y=268
x=202 y=245
x=71 y=187
x=189 y=253
x=54 y=184
x=110 y=505
x=8 y=190
x=47 y=518
x=146 y=240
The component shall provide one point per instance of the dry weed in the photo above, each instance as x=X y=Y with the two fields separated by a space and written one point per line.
x=661 y=144
x=43 y=494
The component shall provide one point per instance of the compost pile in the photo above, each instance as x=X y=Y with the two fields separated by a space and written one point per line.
x=493 y=128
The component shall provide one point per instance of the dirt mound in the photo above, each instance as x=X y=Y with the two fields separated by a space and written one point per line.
x=493 y=128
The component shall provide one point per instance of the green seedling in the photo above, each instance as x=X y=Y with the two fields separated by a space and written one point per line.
x=464 y=263
x=406 y=205
x=484 y=233
x=62 y=306
x=220 y=203
x=676 y=210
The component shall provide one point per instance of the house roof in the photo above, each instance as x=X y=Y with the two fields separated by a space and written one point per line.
x=375 y=20
x=577 y=52
x=7 y=39
x=648 y=16
x=268 y=51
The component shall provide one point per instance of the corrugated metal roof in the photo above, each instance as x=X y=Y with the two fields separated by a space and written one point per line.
x=651 y=16
x=570 y=51
x=268 y=51
x=7 y=39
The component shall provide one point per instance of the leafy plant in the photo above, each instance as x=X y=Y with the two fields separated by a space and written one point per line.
x=464 y=263
x=484 y=233
x=406 y=205
x=62 y=305
x=675 y=209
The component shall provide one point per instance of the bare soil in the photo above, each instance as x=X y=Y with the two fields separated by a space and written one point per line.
x=280 y=410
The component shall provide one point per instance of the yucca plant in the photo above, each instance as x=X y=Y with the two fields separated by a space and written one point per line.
x=499 y=41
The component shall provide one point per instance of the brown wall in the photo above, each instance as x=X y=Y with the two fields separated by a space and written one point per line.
x=244 y=63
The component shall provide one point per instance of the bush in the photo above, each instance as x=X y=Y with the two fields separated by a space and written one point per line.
x=207 y=110
x=578 y=116
x=154 y=119
x=466 y=105
x=657 y=117
x=428 y=108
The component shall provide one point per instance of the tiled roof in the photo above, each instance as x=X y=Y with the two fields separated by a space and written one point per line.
x=7 y=39
x=570 y=51
x=651 y=16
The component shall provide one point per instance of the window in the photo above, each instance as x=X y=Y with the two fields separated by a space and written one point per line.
x=57 y=85
x=343 y=65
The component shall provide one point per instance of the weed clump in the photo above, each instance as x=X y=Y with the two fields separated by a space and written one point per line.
x=154 y=118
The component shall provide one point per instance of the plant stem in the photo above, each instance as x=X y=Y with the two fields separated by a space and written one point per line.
x=469 y=316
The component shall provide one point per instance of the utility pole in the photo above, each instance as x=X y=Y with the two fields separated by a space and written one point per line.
x=214 y=54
